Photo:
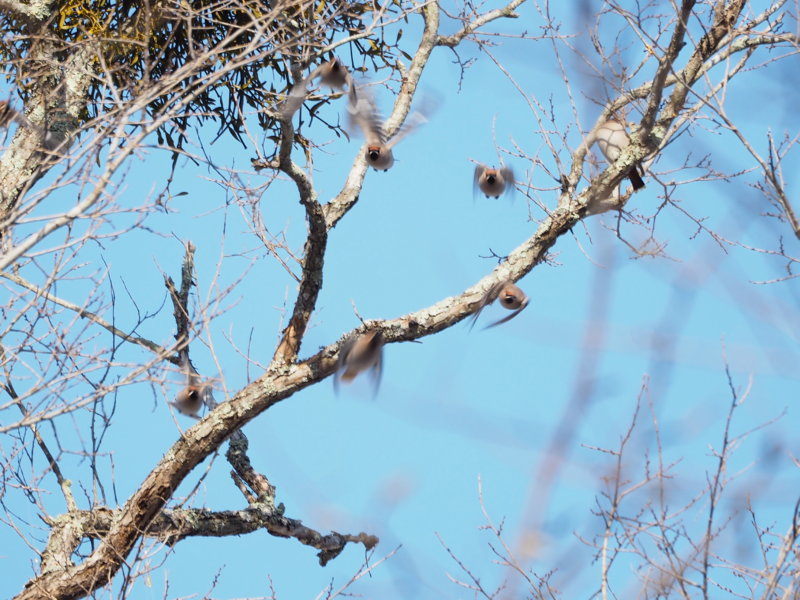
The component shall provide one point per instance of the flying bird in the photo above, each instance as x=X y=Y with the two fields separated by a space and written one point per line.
x=613 y=139
x=331 y=73
x=360 y=353
x=190 y=400
x=296 y=97
x=364 y=114
x=334 y=74
x=493 y=182
x=510 y=297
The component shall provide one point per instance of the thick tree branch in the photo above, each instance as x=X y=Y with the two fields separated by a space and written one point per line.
x=37 y=10
x=144 y=513
x=172 y=526
x=275 y=385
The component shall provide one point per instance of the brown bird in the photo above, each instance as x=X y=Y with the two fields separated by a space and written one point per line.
x=190 y=400
x=358 y=354
x=334 y=74
x=510 y=296
x=613 y=139
x=364 y=114
x=331 y=73
x=493 y=182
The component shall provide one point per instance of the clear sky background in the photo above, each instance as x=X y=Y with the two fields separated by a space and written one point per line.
x=520 y=408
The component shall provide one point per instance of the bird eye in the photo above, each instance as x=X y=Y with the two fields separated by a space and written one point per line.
x=509 y=299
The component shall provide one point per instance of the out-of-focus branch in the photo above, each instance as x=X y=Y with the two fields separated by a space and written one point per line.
x=783 y=562
x=771 y=170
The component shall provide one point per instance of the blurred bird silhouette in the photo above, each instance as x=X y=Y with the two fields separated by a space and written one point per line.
x=364 y=114
x=360 y=353
x=493 y=182
x=334 y=74
x=190 y=400
x=331 y=73
x=510 y=296
x=612 y=140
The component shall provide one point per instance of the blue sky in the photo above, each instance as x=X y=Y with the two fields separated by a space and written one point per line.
x=603 y=328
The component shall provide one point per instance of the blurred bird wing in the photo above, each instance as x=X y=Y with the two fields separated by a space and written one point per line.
x=297 y=95
x=413 y=121
x=341 y=362
x=476 y=177
x=364 y=114
x=334 y=74
x=376 y=368
x=507 y=173
x=511 y=316
x=376 y=372
x=489 y=297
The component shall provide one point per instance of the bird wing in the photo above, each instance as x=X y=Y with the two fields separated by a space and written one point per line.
x=364 y=114
x=487 y=299
x=511 y=316
x=297 y=95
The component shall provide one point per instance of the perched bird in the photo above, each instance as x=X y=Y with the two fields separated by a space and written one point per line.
x=613 y=139
x=331 y=73
x=189 y=401
x=493 y=182
x=358 y=354
x=510 y=296
x=364 y=114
